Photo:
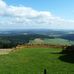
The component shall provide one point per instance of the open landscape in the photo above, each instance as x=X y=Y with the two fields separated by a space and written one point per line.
x=36 y=36
x=33 y=53
x=35 y=60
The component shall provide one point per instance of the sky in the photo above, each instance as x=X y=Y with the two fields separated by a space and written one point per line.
x=36 y=14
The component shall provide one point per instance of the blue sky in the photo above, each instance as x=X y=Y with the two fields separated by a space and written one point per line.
x=62 y=8
x=51 y=14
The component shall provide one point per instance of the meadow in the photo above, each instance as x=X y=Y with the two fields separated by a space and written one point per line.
x=52 y=41
x=34 y=61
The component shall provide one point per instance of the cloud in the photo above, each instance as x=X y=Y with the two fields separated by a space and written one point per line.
x=21 y=17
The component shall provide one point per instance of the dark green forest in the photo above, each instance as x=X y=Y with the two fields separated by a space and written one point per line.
x=13 y=41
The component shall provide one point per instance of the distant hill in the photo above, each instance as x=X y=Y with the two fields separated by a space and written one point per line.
x=53 y=41
x=17 y=37
x=68 y=37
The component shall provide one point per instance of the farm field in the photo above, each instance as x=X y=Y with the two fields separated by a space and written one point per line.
x=34 y=61
x=53 y=41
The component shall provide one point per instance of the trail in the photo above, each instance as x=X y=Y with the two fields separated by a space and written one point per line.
x=5 y=51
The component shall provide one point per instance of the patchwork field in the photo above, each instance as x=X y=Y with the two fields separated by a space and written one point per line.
x=34 y=61
x=53 y=41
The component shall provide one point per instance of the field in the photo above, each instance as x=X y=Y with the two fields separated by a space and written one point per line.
x=53 y=41
x=59 y=41
x=34 y=61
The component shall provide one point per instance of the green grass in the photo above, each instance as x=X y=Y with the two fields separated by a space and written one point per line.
x=58 y=41
x=34 y=61
x=54 y=41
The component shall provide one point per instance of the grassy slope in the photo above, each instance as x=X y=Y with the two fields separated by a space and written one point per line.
x=58 y=41
x=34 y=61
x=55 y=41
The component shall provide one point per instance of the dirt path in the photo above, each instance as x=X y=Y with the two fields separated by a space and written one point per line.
x=5 y=51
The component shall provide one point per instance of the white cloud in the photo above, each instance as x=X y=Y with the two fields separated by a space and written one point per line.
x=2 y=4
x=27 y=17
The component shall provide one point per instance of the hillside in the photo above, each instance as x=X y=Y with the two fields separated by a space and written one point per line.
x=51 y=41
x=9 y=39
x=34 y=61
x=68 y=37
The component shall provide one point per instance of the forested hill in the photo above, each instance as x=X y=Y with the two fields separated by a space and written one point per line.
x=68 y=37
x=7 y=41
x=14 y=38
